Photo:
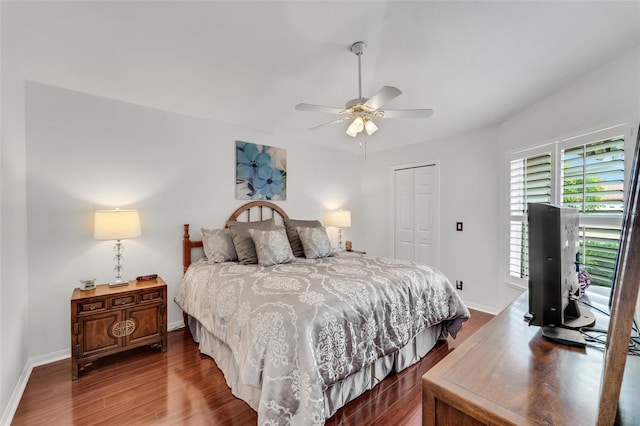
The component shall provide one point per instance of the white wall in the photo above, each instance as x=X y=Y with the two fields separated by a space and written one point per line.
x=14 y=306
x=86 y=152
x=468 y=193
x=603 y=97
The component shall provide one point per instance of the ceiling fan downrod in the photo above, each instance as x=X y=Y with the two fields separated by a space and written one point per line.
x=358 y=48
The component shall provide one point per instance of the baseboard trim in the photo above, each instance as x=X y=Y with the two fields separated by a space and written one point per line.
x=16 y=396
x=175 y=325
x=483 y=308
x=50 y=357
x=31 y=363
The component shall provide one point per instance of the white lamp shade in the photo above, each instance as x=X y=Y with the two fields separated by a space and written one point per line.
x=339 y=218
x=116 y=224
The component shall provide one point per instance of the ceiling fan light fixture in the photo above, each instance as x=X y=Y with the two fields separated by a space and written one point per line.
x=356 y=126
x=370 y=126
x=361 y=110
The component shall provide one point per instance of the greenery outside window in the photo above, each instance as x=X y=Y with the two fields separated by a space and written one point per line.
x=586 y=173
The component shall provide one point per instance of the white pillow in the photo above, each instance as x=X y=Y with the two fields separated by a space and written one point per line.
x=272 y=246
x=218 y=245
x=315 y=242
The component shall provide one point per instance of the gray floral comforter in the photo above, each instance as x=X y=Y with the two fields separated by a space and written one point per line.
x=296 y=329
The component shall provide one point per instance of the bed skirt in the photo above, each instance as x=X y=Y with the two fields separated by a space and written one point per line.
x=338 y=394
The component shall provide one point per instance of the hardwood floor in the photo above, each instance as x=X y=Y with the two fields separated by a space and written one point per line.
x=181 y=386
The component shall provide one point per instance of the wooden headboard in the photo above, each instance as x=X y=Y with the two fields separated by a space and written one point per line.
x=254 y=211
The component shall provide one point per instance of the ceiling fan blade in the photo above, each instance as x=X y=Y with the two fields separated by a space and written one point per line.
x=319 y=108
x=407 y=113
x=382 y=96
x=339 y=120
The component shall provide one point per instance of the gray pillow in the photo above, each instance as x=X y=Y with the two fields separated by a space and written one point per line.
x=315 y=242
x=292 y=233
x=242 y=239
x=272 y=247
x=218 y=245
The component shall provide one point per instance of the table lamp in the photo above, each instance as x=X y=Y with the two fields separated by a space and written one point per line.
x=117 y=225
x=339 y=219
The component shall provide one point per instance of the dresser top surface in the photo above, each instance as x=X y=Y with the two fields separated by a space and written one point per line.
x=105 y=290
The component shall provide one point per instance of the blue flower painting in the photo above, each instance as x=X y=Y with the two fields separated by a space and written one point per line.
x=261 y=172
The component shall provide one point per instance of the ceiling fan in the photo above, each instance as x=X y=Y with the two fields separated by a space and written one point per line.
x=363 y=110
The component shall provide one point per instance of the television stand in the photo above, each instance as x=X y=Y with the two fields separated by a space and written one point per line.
x=577 y=316
x=564 y=336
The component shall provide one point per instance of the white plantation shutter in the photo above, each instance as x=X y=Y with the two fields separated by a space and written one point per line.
x=598 y=252
x=589 y=175
x=593 y=177
x=530 y=183
x=593 y=182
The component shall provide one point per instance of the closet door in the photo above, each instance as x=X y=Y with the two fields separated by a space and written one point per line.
x=404 y=226
x=416 y=209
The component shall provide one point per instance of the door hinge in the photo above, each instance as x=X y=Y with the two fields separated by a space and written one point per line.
x=162 y=308
x=76 y=328
x=162 y=329
x=77 y=350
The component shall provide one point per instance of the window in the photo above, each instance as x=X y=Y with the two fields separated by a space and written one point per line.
x=593 y=182
x=586 y=173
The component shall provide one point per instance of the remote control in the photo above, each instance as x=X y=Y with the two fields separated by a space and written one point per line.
x=147 y=277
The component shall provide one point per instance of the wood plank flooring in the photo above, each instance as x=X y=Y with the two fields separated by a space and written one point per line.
x=181 y=386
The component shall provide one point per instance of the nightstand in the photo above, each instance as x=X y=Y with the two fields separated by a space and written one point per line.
x=108 y=320
x=351 y=253
x=357 y=252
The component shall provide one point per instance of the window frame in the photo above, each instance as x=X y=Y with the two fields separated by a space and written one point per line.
x=555 y=148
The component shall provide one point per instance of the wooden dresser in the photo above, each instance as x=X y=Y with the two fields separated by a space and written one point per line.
x=507 y=373
x=108 y=320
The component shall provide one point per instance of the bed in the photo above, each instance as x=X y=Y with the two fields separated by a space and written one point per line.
x=299 y=340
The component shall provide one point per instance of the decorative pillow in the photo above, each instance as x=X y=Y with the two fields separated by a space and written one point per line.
x=292 y=233
x=242 y=241
x=272 y=247
x=218 y=245
x=315 y=242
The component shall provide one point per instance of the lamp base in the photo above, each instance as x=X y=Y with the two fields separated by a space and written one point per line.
x=118 y=283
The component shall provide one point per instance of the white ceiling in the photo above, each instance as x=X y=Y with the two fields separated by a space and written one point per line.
x=248 y=63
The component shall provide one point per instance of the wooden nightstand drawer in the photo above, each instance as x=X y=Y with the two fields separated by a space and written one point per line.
x=149 y=296
x=118 y=302
x=95 y=306
x=107 y=320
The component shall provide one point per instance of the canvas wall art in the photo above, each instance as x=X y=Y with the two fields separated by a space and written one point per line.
x=261 y=172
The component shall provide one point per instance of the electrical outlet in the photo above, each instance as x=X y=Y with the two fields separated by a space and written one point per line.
x=458 y=285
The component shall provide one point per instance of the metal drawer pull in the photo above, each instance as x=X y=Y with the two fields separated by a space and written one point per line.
x=92 y=307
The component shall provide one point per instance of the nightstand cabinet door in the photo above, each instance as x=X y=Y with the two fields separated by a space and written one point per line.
x=95 y=334
x=148 y=324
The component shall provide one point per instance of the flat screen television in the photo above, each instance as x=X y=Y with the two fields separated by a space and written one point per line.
x=553 y=278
